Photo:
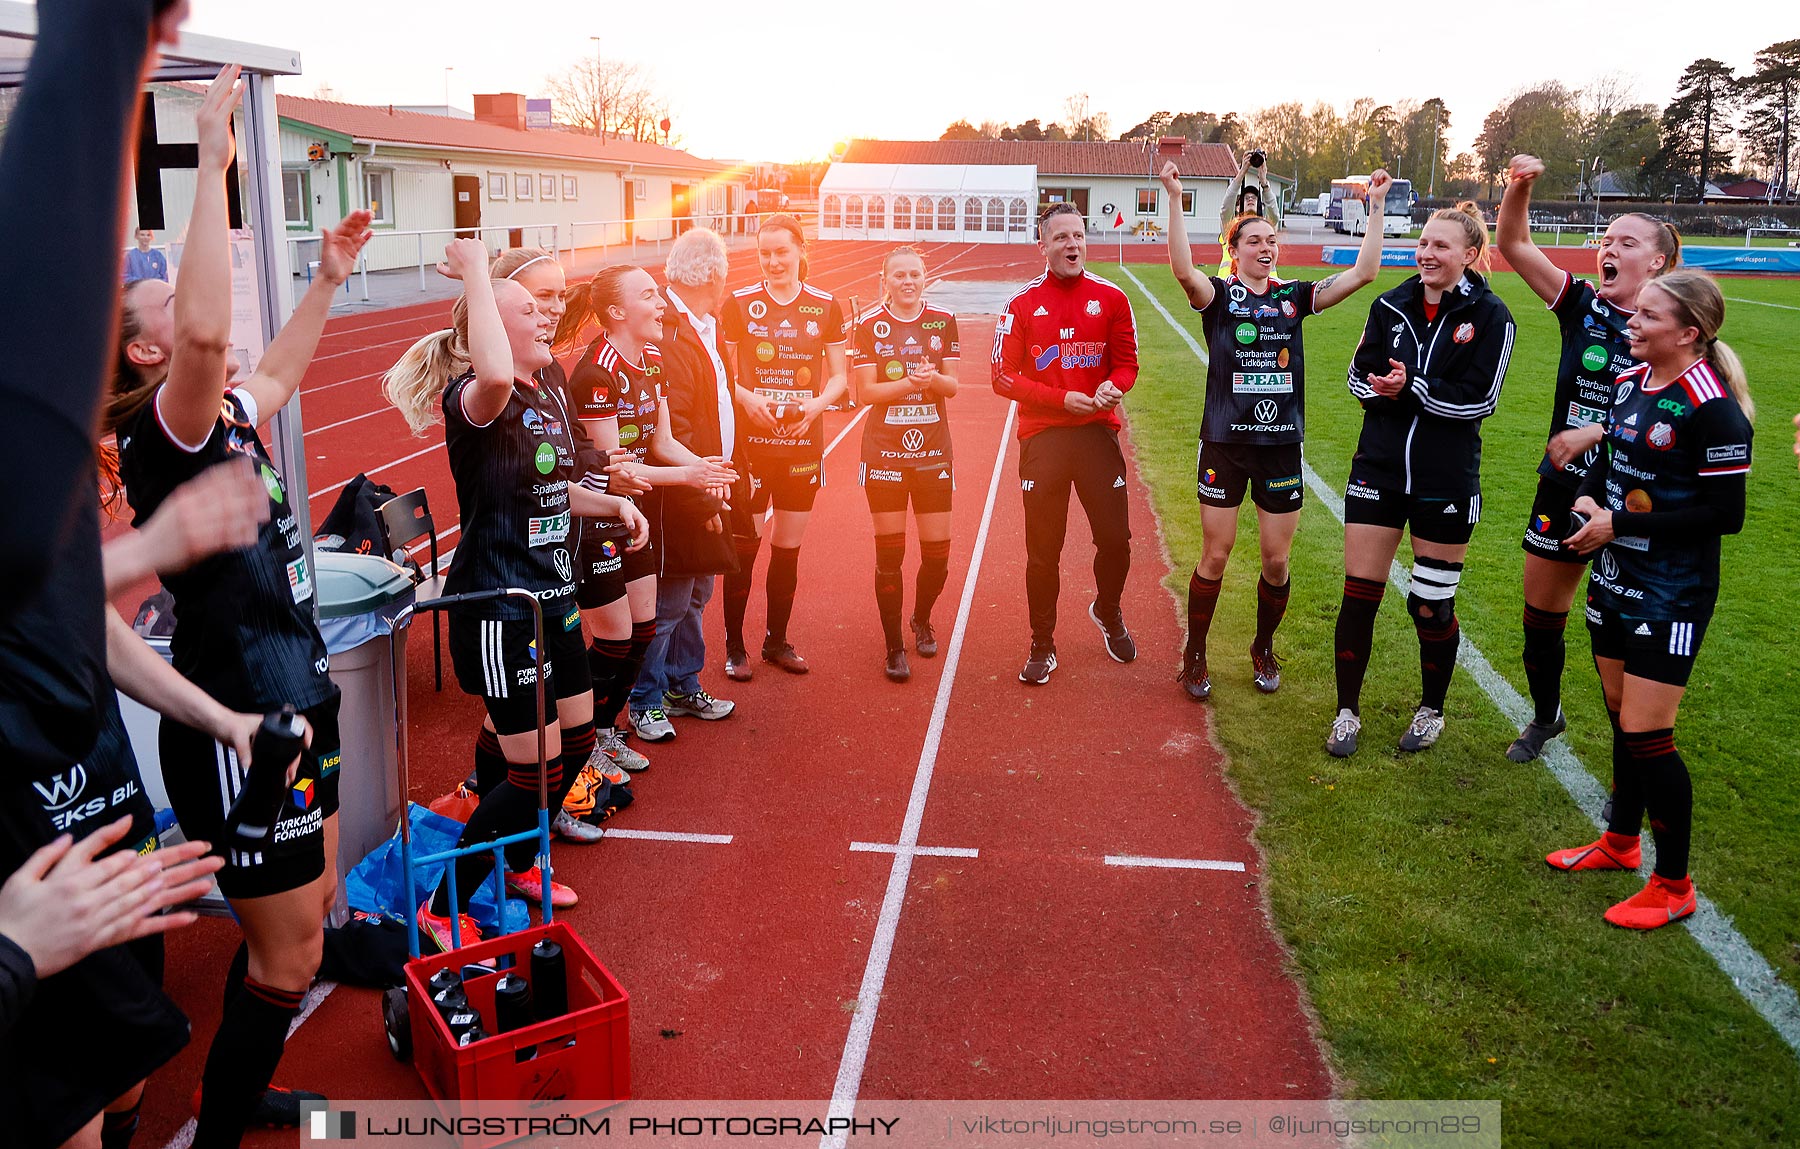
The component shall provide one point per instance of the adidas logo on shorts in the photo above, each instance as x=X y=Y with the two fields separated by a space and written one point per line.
x=1643 y=628
x=1449 y=508
x=1118 y=482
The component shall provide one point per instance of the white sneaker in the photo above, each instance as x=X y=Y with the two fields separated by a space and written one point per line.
x=699 y=704
x=652 y=725
x=612 y=756
x=1427 y=724
x=1344 y=729
x=567 y=825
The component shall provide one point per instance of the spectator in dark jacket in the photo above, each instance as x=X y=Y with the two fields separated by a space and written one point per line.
x=696 y=542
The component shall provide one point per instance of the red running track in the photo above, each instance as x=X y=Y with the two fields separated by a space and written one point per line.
x=1030 y=970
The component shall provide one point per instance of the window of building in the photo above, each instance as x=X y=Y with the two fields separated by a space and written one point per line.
x=1146 y=201
x=877 y=213
x=972 y=208
x=378 y=187
x=1187 y=201
x=1018 y=216
x=832 y=214
x=996 y=215
x=296 y=197
x=546 y=186
x=853 y=212
x=571 y=188
x=521 y=185
x=902 y=213
x=496 y=185
x=946 y=213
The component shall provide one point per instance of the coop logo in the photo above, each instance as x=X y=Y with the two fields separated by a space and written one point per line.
x=1671 y=406
x=934 y=325
x=913 y=439
x=63 y=789
x=809 y=309
x=1266 y=411
x=758 y=309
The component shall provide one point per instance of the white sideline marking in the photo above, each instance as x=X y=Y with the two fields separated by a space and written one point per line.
x=1748 y=970
x=916 y=851
x=1174 y=863
x=670 y=836
x=355 y=418
x=1763 y=303
x=373 y=471
x=868 y=997
x=184 y=1136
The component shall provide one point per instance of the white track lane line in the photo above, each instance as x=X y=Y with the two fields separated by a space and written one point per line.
x=1173 y=863
x=1748 y=970
x=670 y=836
x=1763 y=303
x=373 y=471
x=916 y=851
x=868 y=997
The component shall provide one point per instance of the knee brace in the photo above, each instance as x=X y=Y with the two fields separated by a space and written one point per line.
x=1432 y=600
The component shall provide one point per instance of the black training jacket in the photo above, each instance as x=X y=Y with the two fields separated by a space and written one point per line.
x=1426 y=441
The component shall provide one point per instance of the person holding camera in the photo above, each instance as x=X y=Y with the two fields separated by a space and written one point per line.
x=1249 y=194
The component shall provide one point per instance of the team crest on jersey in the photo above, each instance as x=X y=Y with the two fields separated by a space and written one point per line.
x=758 y=309
x=1661 y=436
x=937 y=343
x=1464 y=332
x=1287 y=308
x=812 y=328
x=1093 y=307
x=883 y=329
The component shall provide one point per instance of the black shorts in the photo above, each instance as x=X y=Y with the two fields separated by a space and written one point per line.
x=791 y=484
x=602 y=574
x=493 y=660
x=203 y=777
x=1549 y=523
x=1662 y=650
x=889 y=489
x=1271 y=472
x=1448 y=521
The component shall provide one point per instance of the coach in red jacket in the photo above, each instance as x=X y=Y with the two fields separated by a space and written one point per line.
x=1066 y=350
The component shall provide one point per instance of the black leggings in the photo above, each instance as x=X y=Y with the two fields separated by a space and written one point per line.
x=1087 y=458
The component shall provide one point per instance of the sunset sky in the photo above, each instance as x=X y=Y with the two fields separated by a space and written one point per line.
x=785 y=84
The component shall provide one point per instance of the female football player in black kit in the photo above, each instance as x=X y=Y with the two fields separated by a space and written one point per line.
x=1668 y=487
x=1255 y=415
x=1428 y=370
x=784 y=342
x=905 y=360
x=245 y=631
x=512 y=451
x=1595 y=349
x=617 y=395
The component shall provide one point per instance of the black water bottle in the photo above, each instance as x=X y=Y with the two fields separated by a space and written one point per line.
x=451 y=999
x=549 y=980
x=512 y=1010
x=278 y=742
x=442 y=980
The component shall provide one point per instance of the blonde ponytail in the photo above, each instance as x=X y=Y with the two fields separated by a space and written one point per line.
x=416 y=383
x=1730 y=368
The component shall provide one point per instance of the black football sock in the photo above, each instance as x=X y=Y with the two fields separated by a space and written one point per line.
x=1545 y=653
x=606 y=657
x=934 y=572
x=1355 y=638
x=737 y=589
x=242 y=1061
x=1271 y=607
x=890 y=586
x=1203 y=599
x=1668 y=796
x=784 y=576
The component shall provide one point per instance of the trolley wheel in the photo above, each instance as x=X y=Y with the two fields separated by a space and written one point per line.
x=396 y=1020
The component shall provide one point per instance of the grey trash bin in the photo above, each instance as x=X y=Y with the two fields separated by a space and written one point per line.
x=363 y=617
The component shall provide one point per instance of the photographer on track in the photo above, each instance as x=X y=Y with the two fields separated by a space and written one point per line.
x=1249 y=194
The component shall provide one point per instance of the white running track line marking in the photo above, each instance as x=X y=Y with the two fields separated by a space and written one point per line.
x=1763 y=303
x=373 y=471
x=1748 y=970
x=670 y=836
x=868 y=997
x=916 y=851
x=1174 y=863
x=383 y=409
x=184 y=1136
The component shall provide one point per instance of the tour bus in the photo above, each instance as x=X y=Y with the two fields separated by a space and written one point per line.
x=1348 y=211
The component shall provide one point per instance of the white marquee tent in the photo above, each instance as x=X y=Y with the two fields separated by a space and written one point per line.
x=967 y=203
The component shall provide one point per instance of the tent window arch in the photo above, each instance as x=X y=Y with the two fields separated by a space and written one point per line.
x=877 y=212
x=853 y=211
x=925 y=219
x=972 y=213
x=1017 y=216
x=946 y=213
x=902 y=213
x=833 y=212
x=996 y=214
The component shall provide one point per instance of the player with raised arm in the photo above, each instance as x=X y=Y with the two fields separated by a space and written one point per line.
x=1667 y=488
x=1255 y=416
x=784 y=344
x=1427 y=371
x=905 y=362
x=1595 y=350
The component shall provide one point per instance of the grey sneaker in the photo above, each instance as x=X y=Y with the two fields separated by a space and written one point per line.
x=574 y=829
x=1344 y=729
x=1530 y=742
x=1038 y=664
x=699 y=704
x=652 y=725
x=1427 y=724
x=1119 y=645
x=612 y=757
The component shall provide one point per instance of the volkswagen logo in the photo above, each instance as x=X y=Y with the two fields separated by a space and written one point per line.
x=1609 y=567
x=63 y=789
x=1266 y=411
x=564 y=570
x=913 y=439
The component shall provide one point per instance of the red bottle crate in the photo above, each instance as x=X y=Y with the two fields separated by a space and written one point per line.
x=584 y=1055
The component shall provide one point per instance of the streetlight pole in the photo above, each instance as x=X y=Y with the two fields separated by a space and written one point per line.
x=448 y=68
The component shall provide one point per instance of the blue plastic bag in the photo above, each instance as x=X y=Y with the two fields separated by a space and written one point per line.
x=377 y=884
